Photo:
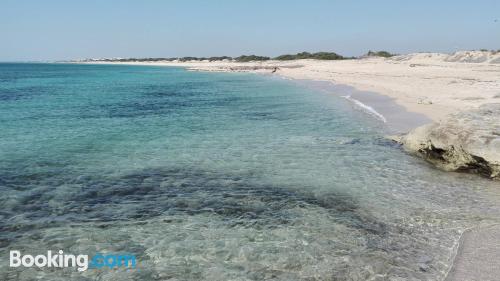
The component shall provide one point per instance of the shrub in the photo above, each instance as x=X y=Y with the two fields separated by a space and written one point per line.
x=219 y=58
x=306 y=55
x=285 y=57
x=384 y=54
x=327 y=56
x=251 y=58
x=188 y=58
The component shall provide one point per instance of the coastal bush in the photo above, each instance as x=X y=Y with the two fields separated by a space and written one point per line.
x=327 y=56
x=306 y=55
x=384 y=54
x=251 y=58
x=244 y=58
x=285 y=57
x=219 y=58
x=190 y=59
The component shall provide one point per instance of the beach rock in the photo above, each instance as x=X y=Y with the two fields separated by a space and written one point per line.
x=467 y=141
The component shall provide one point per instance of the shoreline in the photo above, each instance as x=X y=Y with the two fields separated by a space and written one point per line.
x=397 y=119
x=430 y=84
x=403 y=113
x=474 y=260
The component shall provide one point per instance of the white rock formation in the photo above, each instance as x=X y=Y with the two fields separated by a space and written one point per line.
x=467 y=141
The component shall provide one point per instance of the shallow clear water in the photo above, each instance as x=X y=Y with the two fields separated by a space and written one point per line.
x=216 y=176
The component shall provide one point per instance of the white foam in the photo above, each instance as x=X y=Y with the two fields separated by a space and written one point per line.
x=368 y=109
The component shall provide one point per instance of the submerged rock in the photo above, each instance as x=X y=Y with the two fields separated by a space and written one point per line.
x=466 y=141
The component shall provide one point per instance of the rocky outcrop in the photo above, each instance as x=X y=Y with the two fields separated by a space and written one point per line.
x=467 y=141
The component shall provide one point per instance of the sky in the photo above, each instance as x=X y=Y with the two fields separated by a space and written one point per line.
x=32 y=30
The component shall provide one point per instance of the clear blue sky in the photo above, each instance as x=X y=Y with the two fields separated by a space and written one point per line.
x=66 y=29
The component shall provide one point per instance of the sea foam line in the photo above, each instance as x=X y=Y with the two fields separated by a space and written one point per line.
x=367 y=108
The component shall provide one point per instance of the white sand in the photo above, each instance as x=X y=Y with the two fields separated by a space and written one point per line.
x=427 y=83
x=478 y=255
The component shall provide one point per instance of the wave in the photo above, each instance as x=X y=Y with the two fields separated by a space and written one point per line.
x=370 y=110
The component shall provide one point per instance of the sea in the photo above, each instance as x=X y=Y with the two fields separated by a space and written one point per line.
x=217 y=176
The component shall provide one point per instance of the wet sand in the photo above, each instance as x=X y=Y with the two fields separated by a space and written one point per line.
x=478 y=256
x=398 y=119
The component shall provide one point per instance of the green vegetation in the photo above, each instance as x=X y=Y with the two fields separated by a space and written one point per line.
x=286 y=57
x=384 y=54
x=183 y=59
x=248 y=58
x=306 y=55
x=327 y=56
x=220 y=58
x=251 y=58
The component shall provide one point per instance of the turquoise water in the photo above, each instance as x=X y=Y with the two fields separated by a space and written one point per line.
x=216 y=176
